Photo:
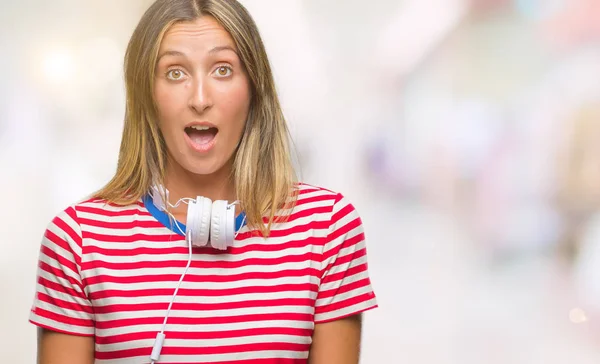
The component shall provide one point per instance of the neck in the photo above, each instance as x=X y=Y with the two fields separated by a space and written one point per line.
x=217 y=186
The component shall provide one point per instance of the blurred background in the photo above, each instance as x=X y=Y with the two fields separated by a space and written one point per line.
x=466 y=132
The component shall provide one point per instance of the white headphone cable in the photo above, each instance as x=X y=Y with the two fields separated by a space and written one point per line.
x=160 y=337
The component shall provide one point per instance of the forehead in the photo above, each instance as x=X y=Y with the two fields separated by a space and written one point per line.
x=201 y=34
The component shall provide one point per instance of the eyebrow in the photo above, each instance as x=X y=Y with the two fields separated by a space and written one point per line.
x=170 y=53
x=217 y=49
x=222 y=48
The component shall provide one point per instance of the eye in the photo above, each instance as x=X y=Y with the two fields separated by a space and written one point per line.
x=175 y=74
x=223 y=71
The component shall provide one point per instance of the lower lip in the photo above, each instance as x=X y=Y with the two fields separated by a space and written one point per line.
x=200 y=148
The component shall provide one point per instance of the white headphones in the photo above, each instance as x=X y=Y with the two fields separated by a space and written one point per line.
x=206 y=220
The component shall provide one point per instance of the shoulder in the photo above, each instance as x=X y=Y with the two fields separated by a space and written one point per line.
x=314 y=196
x=306 y=191
x=68 y=228
x=94 y=209
x=101 y=207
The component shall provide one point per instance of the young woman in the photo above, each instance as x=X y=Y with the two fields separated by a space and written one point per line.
x=264 y=270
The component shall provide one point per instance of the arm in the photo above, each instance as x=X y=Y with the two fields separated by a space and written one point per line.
x=61 y=308
x=336 y=342
x=58 y=348
x=344 y=291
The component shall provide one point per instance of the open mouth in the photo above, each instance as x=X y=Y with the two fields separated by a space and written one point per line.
x=201 y=135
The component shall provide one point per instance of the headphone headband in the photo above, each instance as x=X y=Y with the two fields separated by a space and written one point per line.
x=207 y=221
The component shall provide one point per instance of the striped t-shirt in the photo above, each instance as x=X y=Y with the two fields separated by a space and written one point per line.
x=110 y=271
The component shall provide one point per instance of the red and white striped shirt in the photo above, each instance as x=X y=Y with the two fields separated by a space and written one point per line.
x=110 y=271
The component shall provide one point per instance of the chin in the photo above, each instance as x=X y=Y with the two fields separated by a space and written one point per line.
x=203 y=168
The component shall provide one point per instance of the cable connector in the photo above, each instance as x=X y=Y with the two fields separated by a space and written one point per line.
x=158 y=344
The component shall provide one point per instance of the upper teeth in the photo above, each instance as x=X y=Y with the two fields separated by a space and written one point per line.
x=200 y=127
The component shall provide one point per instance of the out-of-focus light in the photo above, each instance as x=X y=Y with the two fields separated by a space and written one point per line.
x=100 y=61
x=415 y=31
x=539 y=9
x=577 y=316
x=58 y=65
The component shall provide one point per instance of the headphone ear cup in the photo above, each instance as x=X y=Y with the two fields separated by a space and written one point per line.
x=218 y=225
x=230 y=222
x=198 y=220
x=223 y=225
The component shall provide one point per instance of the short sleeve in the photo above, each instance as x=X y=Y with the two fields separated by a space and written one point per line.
x=60 y=302
x=345 y=287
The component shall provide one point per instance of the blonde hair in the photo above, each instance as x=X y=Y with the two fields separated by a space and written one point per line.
x=263 y=174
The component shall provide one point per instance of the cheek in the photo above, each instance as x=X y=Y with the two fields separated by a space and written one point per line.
x=167 y=103
x=237 y=102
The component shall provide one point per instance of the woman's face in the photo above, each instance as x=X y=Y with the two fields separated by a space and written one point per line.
x=202 y=93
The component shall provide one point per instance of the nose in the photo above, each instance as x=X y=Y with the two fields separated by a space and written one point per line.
x=200 y=98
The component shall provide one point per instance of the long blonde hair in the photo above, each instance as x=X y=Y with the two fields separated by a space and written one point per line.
x=263 y=173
